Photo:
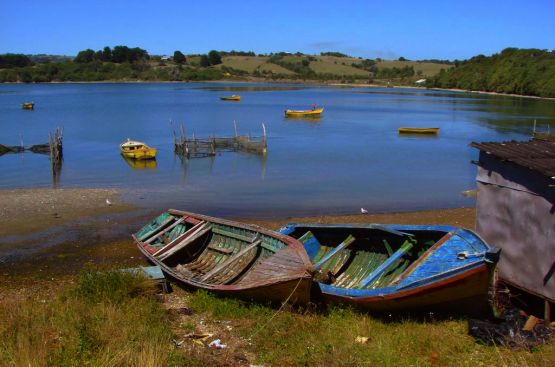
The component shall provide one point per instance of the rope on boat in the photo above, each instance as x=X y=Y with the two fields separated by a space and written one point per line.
x=277 y=312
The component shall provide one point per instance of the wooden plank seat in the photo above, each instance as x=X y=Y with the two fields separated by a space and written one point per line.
x=372 y=278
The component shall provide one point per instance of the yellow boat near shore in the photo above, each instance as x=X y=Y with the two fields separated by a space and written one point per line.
x=137 y=150
x=418 y=130
x=234 y=97
x=313 y=112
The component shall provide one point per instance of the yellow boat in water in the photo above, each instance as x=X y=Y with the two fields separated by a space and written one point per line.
x=28 y=105
x=313 y=112
x=418 y=130
x=137 y=150
x=234 y=97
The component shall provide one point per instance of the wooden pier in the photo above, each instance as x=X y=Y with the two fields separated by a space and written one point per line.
x=208 y=147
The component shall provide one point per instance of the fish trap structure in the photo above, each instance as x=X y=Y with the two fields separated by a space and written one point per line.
x=208 y=147
x=54 y=148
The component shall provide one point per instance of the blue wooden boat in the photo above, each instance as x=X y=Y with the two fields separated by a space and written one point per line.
x=387 y=268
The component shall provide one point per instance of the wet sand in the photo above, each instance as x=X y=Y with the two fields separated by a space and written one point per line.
x=29 y=210
x=60 y=232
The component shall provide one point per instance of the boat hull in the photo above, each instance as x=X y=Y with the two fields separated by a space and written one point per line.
x=28 y=106
x=294 y=113
x=418 y=130
x=140 y=154
x=232 y=99
x=465 y=292
x=284 y=276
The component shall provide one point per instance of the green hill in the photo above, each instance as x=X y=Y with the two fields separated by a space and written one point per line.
x=515 y=71
x=127 y=64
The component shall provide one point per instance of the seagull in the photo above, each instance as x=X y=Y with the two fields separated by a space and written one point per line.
x=363 y=211
x=108 y=202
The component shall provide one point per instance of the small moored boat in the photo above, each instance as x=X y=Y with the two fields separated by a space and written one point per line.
x=226 y=257
x=28 y=105
x=313 y=112
x=137 y=150
x=397 y=267
x=418 y=130
x=234 y=97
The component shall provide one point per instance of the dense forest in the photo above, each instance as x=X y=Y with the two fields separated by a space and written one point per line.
x=517 y=71
x=119 y=63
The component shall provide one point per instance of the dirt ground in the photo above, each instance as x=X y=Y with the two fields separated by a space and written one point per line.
x=29 y=210
x=61 y=231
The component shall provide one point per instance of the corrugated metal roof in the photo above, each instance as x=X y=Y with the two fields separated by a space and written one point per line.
x=538 y=155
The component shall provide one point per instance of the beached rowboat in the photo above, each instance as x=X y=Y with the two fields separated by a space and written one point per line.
x=418 y=130
x=397 y=267
x=313 y=112
x=227 y=257
x=137 y=150
x=234 y=97
x=28 y=105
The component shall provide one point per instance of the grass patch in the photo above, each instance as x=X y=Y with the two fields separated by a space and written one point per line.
x=427 y=68
x=107 y=319
x=112 y=319
x=328 y=339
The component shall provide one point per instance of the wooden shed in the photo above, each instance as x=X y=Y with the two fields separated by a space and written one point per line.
x=516 y=212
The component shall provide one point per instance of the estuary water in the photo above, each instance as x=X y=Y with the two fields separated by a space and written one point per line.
x=351 y=157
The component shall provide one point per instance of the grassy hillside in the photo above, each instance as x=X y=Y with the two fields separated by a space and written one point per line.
x=427 y=69
x=128 y=64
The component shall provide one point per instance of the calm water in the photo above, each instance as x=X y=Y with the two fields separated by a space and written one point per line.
x=351 y=158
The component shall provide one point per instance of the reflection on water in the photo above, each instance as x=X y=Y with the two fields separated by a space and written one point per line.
x=205 y=164
x=57 y=173
x=418 y=136
x=307 y=118
x=140 y=163
x=354 y=158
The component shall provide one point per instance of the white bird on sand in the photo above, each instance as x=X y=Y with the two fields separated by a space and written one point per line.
x=108 y=202
x=363 y=211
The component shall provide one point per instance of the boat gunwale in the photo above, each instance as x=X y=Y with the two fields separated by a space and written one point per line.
x=289 y=241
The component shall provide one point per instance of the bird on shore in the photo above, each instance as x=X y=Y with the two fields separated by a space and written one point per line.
x=363 y=211
x=108 y=202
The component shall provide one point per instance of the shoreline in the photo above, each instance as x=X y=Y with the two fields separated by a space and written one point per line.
x=288 y=81
x=55 y=233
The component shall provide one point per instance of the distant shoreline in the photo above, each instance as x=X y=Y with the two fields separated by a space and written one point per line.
x=305 y=82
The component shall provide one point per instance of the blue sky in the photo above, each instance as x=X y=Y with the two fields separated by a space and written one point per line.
x=387 y=29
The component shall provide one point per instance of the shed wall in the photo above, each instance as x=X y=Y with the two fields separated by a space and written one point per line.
x=516 y=212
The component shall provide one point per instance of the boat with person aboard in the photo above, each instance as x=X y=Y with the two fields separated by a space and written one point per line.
x=313 y=112
x=386 y=268
x=137 y=150
x=227 y=257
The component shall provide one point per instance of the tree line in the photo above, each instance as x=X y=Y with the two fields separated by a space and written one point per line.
x=515 y=71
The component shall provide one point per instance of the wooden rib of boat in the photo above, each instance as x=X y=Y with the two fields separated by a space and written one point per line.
x=387 y=268
x=234 y=97
x=28 y=105
x=313 y=112
x=137 y=150
x=418 y=130
x=227 y=257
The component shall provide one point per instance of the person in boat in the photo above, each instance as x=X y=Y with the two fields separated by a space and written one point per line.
x=313 y=107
